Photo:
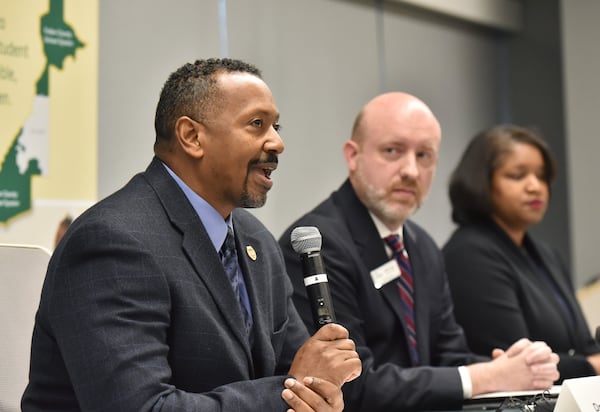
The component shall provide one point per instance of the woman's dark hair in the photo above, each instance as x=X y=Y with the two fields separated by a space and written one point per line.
x=470 y=183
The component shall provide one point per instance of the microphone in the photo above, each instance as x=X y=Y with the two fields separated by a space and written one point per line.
x=306 y=241
x=598 y=335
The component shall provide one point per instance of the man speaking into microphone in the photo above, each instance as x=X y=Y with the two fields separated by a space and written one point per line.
x=168 y=295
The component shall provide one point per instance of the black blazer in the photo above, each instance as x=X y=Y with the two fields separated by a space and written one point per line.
x=501 y=296
x=135 y=313
x=351 y=249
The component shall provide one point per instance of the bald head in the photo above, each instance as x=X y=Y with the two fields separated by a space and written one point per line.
x=387 y=109
x=392 y=155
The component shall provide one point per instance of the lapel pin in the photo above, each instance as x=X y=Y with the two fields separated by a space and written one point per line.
x=251 y=252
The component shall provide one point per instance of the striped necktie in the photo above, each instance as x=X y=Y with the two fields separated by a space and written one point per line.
x=405 y=286
x=229 y=259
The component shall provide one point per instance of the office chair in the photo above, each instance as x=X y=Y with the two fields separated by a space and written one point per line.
x=22 y=271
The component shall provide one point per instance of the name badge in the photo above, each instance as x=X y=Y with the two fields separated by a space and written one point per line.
x=385 y=273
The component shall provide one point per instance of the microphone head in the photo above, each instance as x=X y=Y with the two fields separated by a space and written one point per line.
x=306 y=239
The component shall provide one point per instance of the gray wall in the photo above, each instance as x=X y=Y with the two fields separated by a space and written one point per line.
x=323 y=59
x=582 y=97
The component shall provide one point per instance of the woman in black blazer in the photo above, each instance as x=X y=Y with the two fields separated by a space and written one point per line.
x=505 y=284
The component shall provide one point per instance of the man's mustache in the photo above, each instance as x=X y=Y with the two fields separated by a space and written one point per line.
x=270 y=158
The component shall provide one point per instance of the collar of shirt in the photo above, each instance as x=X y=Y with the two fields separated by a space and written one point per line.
x=213 y=222
x=383 y=231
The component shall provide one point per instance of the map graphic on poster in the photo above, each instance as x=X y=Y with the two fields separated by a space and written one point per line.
x=28 y=151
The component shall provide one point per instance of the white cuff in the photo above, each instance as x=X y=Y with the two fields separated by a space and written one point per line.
x=465 y=378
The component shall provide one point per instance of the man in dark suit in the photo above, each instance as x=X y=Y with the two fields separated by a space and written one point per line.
x=397 y=306
x=138 y=312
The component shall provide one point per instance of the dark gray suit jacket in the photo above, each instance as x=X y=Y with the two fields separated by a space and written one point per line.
x=135 y=313
x=351 y=249
x=501 y=296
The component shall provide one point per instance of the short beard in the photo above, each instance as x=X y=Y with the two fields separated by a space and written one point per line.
x=391 y=214
x=250 y=201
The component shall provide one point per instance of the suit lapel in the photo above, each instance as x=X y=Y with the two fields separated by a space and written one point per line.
x=250 y=258
x=531 y=270
x=561 y=286
x=368 y=243
x=211 y=272
x=198 y=247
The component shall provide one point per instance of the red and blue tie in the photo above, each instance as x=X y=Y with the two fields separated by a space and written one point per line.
x=405 y=286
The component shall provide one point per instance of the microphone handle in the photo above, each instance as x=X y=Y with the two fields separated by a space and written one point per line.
x=317 y=289
x=598 y=335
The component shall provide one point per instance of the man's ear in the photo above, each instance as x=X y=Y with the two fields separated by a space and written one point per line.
x=350 y=152
x=189 y=134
